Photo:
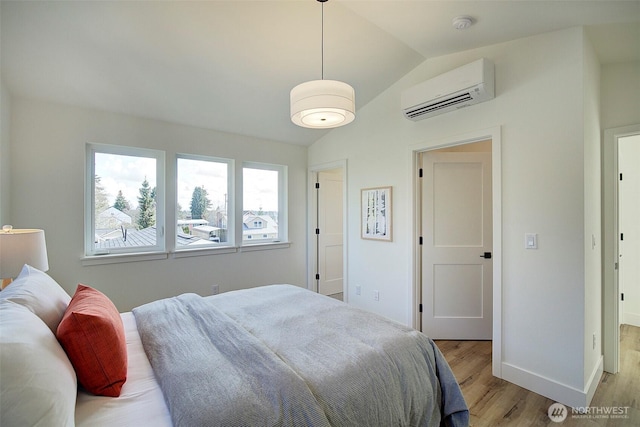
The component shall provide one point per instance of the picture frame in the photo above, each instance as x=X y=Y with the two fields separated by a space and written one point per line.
x=376 y=213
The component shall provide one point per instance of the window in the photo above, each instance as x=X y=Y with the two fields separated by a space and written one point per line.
x=203 y=205
x=264 y=203
x=124 y=200
x=125 y=205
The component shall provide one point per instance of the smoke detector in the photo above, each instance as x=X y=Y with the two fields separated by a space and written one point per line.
x=462 y=22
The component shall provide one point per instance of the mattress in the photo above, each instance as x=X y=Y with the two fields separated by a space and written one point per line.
x=141 y=402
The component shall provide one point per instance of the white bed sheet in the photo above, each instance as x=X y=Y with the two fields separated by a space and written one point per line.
x=141 y=401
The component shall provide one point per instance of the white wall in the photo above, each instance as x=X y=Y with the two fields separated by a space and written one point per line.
x=620 y=88
x=48 y=156
x=593 y=361
x=540 y=86
x=5 y=154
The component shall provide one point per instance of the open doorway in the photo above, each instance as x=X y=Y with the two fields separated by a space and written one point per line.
x=327 y=219
x=620 y=224
x=494 y=136
x=629 y=229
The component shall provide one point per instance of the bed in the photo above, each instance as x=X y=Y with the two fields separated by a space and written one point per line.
x=276 y=355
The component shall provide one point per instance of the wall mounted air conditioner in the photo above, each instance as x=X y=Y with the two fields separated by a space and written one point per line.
x=455 y=89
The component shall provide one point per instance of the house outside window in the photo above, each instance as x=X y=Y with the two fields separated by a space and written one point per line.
x=124 y=200
x=264 y=217
x=204 y=202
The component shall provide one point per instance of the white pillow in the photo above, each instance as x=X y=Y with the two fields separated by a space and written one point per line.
x=41 y=294
x=39 y=385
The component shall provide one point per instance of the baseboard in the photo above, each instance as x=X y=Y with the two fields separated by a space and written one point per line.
x=562 y=393
x=632 y=319
x=594 y=379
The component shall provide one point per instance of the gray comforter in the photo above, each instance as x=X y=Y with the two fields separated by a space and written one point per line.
x=284 y=356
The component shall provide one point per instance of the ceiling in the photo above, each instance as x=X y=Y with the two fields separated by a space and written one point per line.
x=229 y=65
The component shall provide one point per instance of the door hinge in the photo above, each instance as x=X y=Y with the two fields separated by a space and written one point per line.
x=317 y=231
x=621 y=236
x=420 y=240
x=620 y=177
x=615 y=266
x=317 y=276
x=420 y=173
x=622 y=296
x=420 y=308
x=317 y=185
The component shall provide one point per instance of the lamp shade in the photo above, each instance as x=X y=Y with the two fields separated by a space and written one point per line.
x=20 y=247
x=321 y=104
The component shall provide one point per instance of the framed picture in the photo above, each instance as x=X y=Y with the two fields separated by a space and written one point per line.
x=376 y=213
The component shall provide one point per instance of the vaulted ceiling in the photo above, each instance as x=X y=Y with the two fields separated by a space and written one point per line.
x=229 y=65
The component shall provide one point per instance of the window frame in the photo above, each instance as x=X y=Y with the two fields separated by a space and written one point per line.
x=166 y=245
x=283 y=221
x=90 y=249
x=230 y=243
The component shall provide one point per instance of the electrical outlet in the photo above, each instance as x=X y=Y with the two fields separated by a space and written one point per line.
x=215 y=289
x=376 y=295
x=358 y=289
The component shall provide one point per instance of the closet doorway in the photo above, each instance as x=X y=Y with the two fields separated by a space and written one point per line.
x=629 y=229
x=418 y=301
x=620 y=238
x=327 y=241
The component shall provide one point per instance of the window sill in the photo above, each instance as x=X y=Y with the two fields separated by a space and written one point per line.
x=121 y=258
x=264 y=246
x=186 y=253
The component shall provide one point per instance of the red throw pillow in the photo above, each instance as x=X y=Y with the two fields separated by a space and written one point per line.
x=92 y=334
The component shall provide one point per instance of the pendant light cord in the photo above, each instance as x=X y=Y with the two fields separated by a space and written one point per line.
x=322 y=45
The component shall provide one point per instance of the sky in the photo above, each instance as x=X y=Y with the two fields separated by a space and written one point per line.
x=197 y=173
x=260 y=190
x=126 y=173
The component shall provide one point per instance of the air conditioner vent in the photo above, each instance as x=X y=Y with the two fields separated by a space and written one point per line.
x=464 y=86
x=439 y=105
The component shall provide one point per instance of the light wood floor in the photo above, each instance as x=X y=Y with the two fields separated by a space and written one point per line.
x=494 y=402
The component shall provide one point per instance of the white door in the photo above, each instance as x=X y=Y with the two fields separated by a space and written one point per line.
x=457 y=277
x=329 y=232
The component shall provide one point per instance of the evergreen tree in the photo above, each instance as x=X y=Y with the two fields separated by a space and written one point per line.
x=147 y=215
x=121 y=203
x=101 y=202
x=199 y=203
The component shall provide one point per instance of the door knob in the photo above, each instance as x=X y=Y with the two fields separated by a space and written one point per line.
x=487 y=255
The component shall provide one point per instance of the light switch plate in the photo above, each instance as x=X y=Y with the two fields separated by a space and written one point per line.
x=531 y=241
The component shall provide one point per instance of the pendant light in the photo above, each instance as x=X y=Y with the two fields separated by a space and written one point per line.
x=322 y=104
